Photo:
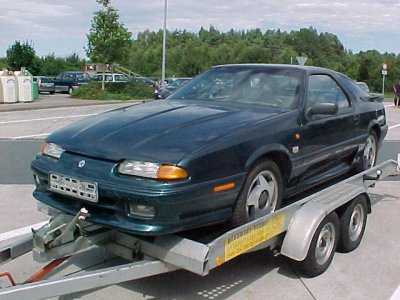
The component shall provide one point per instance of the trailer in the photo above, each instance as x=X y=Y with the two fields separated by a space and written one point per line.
x=308 y=231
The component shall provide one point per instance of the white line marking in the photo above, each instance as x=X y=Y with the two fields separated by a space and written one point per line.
x=72 y=107
x=29 y=136
x=390 y=105
x=20 y=231
x=394 y=126
x=396 y=294
x=46 y=119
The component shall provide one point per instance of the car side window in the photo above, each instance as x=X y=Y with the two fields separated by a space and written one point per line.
x=68 y=76
x=322 y=89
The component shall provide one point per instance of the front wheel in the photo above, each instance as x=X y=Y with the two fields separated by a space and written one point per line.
x=261 y=194
x=322 y=247
x=70 y=90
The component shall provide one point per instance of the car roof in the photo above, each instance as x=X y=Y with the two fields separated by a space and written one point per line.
x=280 y=66
x=75 y=72
x=109 y=74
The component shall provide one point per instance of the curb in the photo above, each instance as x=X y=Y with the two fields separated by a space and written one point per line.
x=35 y=105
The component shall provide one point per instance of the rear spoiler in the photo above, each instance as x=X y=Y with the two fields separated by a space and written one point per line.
x=373 y=98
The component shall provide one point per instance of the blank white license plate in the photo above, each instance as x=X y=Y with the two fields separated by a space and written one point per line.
x=73 y=187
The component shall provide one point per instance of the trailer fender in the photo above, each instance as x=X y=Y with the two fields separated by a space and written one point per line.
x=302 y=228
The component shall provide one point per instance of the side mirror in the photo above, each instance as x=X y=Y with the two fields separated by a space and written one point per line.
x=324 y=108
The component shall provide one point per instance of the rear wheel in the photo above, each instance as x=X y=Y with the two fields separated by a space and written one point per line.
x=370 y=153
x=70 y=90
x=322 y=247
x=352 y=224
x=261 y=194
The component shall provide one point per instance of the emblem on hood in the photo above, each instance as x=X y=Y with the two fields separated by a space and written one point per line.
x=81 y=163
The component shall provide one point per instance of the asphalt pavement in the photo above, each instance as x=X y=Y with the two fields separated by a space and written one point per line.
x=55 y=101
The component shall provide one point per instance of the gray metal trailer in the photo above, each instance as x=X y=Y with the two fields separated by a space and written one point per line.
x=308 y=231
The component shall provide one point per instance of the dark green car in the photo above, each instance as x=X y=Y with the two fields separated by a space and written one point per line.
x=228 y=146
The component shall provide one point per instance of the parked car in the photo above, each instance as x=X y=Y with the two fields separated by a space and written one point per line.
x=145 y=80
x=173 y=84
x=228 y=146
x=70 y=80
x=110 y=77
x=45 y=84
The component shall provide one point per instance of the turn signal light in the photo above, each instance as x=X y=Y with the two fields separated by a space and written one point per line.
x=167 y=172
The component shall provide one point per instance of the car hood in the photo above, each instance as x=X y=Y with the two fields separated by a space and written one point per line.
x=158 y=131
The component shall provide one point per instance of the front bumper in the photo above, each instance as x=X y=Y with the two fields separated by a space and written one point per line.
x=178 y=206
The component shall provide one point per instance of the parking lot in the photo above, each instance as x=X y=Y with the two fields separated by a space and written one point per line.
x=370 y=272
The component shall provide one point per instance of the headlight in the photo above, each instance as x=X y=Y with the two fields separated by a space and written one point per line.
x=52 y=150
x=152 y=170
x=381 y=120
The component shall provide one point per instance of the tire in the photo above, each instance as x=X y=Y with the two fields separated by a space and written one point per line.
x=52 y=93
x=370 y=153
x=322 y=248
x=352 y=224
x=70 y=90
x=261 y=193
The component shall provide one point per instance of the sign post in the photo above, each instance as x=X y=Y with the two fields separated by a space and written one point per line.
x=384 y=73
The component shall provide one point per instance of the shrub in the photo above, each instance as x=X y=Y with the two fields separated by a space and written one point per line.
x=114 y=91
x=91 y=91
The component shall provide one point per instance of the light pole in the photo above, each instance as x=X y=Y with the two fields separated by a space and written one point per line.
x=164 y=45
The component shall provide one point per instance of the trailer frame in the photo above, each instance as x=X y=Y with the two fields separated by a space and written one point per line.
x=290 y=231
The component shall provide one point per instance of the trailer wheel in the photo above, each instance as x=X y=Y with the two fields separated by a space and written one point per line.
x=352 y=224
x=261 y=193
x=322 y=248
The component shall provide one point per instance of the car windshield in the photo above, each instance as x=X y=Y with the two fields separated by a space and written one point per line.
x=244 y=84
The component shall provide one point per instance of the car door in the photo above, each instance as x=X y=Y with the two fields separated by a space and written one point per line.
x=328 y=140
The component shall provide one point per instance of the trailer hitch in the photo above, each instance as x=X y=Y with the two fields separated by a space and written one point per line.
x=62 y=229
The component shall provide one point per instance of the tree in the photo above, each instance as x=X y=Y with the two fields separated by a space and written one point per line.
x=108 y=39
x=20 y=55
x=3 y=63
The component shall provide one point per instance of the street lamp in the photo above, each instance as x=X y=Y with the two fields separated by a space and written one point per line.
x=164 y=45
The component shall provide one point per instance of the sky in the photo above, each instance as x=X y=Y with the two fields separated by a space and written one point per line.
x=60 y=26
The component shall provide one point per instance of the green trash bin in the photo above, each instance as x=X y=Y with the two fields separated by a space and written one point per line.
x=35 y=91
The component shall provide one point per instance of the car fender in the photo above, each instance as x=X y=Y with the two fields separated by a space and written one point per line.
x=375 y=124
x=264 y=151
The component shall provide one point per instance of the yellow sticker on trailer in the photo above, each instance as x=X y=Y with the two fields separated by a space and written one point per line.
x=252 y=236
